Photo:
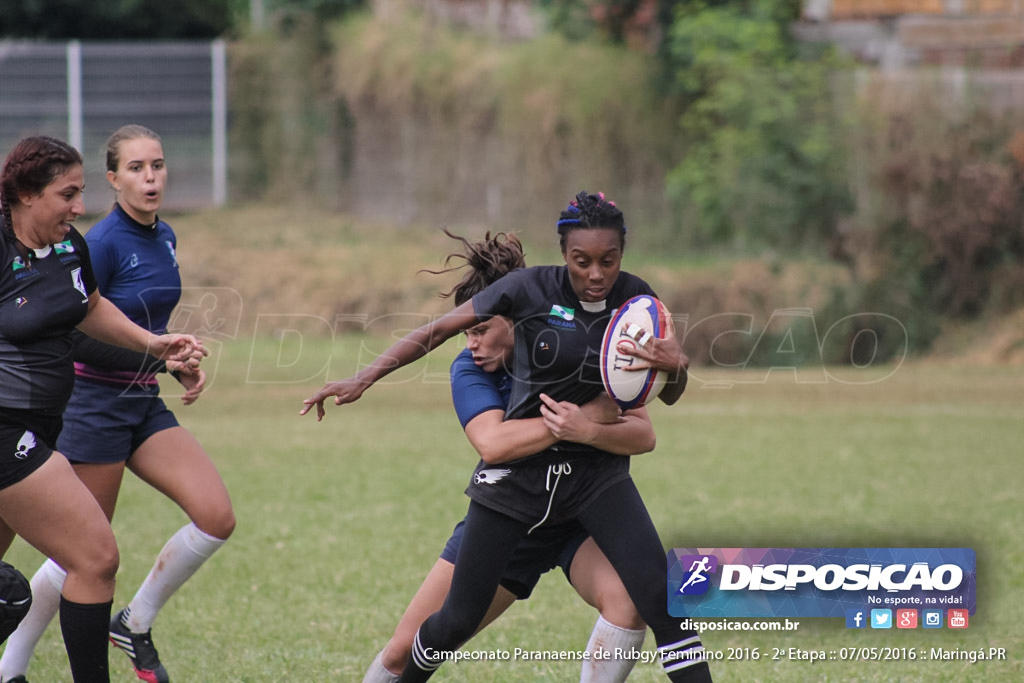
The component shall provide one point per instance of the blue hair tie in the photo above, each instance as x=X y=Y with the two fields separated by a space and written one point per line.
x=572 y=208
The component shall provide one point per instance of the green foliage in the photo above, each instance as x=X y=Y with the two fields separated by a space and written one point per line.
x=940 y=225
x=762 y=164
x=542 y=118
x=114 y=19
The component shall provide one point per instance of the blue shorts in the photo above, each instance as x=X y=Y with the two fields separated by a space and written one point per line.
x=26 y=442
x=539 y=552
x=105 y=424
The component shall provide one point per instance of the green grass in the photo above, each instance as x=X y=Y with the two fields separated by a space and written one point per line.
x=338 y=521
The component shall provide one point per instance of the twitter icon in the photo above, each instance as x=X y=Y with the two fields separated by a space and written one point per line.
x=881 y=618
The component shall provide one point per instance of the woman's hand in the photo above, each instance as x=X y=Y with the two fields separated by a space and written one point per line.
x=176 y=347
x=663 y=354
x=566 y=421
x=344 y=391
x=193 y=378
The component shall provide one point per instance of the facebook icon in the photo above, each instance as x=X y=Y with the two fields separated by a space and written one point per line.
x=855 y=618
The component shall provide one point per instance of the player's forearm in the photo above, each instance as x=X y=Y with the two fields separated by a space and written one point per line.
x=674 y=388
x=418 y=343
x=631 y=435
x=510 y=440
x=106 y=323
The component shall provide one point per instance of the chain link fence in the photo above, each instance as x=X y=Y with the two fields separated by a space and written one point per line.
x=82 y=92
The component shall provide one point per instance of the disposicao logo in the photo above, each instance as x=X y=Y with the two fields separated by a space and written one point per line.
x=817 y=582
x=696 y=580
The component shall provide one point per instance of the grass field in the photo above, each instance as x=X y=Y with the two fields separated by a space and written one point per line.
x=339 y=521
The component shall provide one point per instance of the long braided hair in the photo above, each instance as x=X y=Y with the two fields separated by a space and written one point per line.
x=32 y=165
x=488 y=260
x=591 y=211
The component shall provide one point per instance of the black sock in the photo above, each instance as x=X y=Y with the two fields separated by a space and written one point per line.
x=85 y=629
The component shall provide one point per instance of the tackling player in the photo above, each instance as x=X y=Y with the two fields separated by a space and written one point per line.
x=560 y=314
x=480 y=388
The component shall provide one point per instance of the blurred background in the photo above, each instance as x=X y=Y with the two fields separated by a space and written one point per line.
x=874 y=146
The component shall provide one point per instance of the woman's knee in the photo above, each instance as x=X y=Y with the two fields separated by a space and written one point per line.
x=217 y=521
x=96 y=562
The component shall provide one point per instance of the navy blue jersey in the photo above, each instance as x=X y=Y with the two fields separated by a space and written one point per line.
x=40 y=304
x=475 y=390
x=557 y=339
x=137 y=270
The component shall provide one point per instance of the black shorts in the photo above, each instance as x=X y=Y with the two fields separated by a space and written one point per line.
x=538 y=553
x=549 y=488
x=106 y=424
x=26 y=442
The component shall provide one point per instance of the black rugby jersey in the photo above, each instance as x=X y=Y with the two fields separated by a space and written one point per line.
x=40 y=303
x=557 y=341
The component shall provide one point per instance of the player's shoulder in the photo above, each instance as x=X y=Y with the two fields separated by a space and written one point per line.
x=102 y=229
x=165 y=231
x=462 y=361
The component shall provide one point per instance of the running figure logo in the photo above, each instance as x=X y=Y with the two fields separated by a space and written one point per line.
x=695 y=580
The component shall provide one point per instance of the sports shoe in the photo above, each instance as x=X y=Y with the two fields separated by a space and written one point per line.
x=16 y=679
x=140 y=649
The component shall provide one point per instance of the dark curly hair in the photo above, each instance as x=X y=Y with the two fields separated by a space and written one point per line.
x=33 y=164
x=591 y=211
x=489 y=259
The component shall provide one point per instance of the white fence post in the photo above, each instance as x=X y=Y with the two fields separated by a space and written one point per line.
x=74 y=75
x=218 y=53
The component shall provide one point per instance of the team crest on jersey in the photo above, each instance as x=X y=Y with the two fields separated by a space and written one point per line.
x=170 y=248
x=562 y=316
x=64 y=247
x=20 y=301
x=18 y=263
x=492 y=476
x=25 y=444
x=76 y=280
x=563 y=312
x=134 y=261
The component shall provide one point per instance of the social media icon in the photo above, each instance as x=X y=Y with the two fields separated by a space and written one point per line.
x=931 y=618
x=906 y=618
x=881 y=618
x=957 y=618
x=856 y=618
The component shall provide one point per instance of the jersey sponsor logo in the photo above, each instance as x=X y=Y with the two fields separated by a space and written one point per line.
x=64 y=247
x=490 y=476
x=20 y=301
x=76 y=280
x=25 y=444
x=174 y=255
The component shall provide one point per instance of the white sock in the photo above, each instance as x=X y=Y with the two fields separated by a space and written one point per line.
x=377 y=673
x=46 y=584
x=183 y=554
x=605 y=639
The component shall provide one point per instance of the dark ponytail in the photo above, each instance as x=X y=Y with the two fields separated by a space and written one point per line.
x=489 y=259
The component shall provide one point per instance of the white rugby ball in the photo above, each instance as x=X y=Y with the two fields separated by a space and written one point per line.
x=633 y=324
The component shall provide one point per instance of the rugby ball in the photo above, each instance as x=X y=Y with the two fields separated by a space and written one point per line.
x=633 y=324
